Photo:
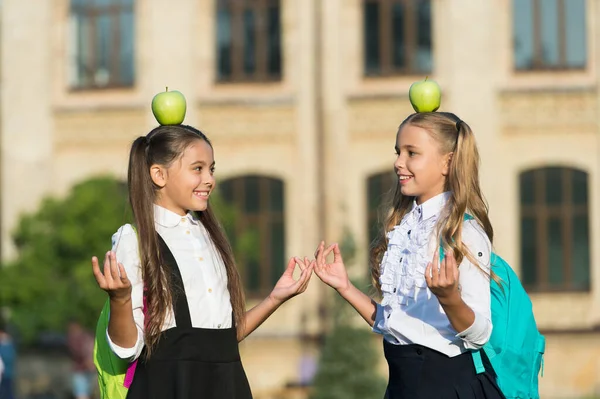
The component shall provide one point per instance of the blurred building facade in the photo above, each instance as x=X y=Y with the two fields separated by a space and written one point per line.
x=302 y=100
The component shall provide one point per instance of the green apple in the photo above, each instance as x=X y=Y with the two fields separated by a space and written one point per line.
x=169 y=107
x=425 y=96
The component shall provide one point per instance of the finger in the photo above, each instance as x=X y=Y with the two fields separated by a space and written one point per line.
x=442 y=268
x=435 y=274
x=97 y=273
x=451 y=266
x=319 y=248
x=124 y=278
x=300 y=263
x=436 y=258
x=306 y=278
x=303 y=280
x=289 y=269
x=428 y=277
x=107 y=274
x=114 y=268
x=337 y=254
x=322 y=255
x=328 y=251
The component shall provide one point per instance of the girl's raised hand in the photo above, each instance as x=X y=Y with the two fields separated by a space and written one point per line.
x=333 y=274
x=114 y=279
x=443 y=280
x=287 y=287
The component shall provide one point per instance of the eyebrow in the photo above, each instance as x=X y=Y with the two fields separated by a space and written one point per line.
x=408 y=147
x=201 y=163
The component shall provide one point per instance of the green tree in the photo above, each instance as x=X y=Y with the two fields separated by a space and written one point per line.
x=348 y=363
x=51 y=281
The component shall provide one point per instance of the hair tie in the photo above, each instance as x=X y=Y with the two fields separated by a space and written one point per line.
x=458 y=123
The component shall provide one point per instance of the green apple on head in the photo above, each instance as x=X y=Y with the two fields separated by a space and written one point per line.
x=169 y=107
x=425 y=96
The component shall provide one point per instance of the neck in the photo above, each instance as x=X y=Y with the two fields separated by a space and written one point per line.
x=169 y=206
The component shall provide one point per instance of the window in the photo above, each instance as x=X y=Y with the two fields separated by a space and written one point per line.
x=258 y=232
x=549 y=34
x=102 y=43
x=555 y=243
x=397 y=37
x=248 y=40
x=378 y=186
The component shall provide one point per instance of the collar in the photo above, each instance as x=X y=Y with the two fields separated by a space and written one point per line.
x=170 y=219
x=432 y=206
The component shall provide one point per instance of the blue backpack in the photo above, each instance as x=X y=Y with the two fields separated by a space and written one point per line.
x=516 y=347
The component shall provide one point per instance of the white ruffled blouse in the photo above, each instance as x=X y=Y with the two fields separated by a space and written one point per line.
x=409 y=312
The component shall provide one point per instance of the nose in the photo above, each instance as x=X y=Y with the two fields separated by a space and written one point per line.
x=399 y=163
x=210 y=182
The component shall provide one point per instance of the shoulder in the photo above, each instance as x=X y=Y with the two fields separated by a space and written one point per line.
x=125 y=232
x=477 y=241
x=125 y=238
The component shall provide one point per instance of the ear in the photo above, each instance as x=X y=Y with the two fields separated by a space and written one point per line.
x=158 y=173
x=447 y=163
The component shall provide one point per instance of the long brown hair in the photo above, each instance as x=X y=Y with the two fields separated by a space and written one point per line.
x=456 y=137
x=162 y=146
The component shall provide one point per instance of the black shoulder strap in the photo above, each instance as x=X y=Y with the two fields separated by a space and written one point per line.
x=180 y=305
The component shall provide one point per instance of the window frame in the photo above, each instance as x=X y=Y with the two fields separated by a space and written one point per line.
x=261 y=73
x=94 y=12
x=386 y=41
x=538 y=64
x=541 y=212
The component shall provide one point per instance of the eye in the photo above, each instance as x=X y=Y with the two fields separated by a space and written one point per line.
x=212 y=170
x=411 y=154
x=198 y=168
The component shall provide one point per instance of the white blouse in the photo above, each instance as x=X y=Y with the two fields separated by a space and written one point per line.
x=409 y=312
x=202 y=271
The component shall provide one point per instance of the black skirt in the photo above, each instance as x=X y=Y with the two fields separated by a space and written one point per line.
x=418 y=372
x=188 y=362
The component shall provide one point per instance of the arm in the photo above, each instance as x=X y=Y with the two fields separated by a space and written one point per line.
x=335 y=275
x=285 y=289
x=467 y=308
x=125 y=328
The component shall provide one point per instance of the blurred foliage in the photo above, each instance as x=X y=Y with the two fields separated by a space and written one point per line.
x=51 y=281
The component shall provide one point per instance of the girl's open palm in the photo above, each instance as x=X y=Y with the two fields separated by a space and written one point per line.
x=287 y=287
x=333 y=274
x=114 y=279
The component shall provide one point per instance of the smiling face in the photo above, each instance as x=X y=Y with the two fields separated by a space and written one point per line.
x=186 y=184
x=420 y=164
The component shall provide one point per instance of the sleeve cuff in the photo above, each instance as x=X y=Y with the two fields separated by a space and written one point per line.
x=129 y=354
x=478 y=334
x=379 y=322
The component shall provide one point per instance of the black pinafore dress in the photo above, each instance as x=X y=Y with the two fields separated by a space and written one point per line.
x=190 y=362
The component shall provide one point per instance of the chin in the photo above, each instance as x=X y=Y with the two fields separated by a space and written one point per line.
x=407 y=192
x=196 y=207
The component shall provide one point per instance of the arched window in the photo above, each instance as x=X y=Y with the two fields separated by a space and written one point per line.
x=257 y=232
x=555 y=243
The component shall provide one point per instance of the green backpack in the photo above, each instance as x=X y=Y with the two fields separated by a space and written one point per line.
x=111 y=369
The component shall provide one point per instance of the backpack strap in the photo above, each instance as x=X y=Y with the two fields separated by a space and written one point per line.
x=479 y=367
x=129 y=374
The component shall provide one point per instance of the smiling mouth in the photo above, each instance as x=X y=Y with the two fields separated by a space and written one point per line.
x=202 y=194
x=404 y=178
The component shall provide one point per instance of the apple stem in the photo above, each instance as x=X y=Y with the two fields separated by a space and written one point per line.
x=426 y=77
x=166 y=88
